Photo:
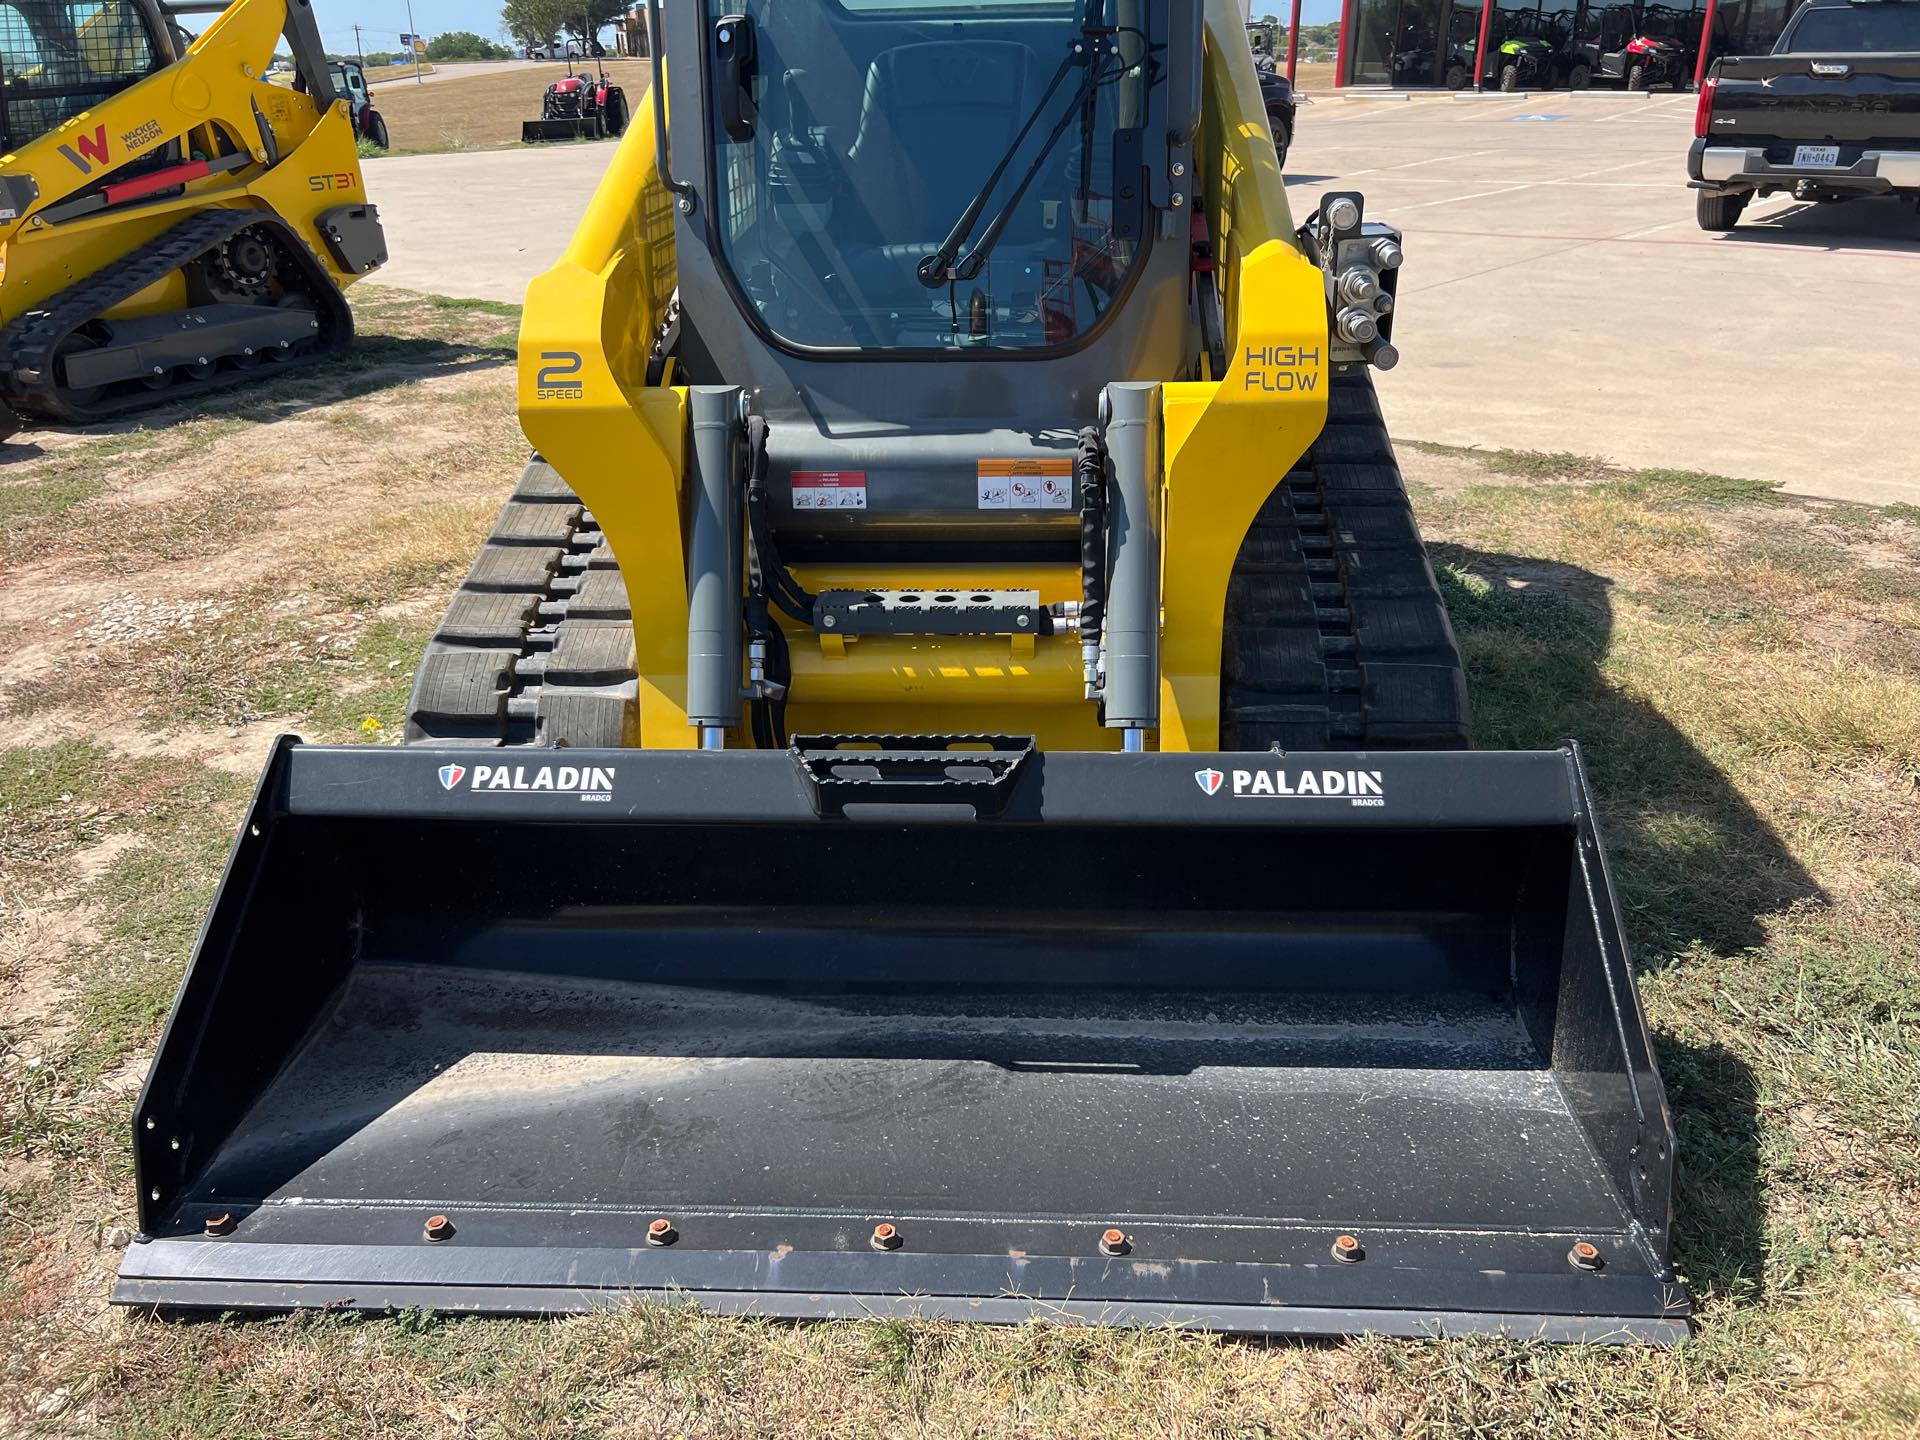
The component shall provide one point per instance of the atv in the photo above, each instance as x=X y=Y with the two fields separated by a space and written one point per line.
x=1521 y=62
x=1650 y=60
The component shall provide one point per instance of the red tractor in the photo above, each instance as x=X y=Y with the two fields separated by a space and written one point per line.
x=580 y=107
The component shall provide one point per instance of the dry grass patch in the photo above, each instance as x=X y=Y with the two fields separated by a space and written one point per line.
x=283 y=555
x=1729 y=660
x=478 y=112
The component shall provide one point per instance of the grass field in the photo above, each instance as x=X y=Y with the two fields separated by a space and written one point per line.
x=478 y=112
x=1743 y=668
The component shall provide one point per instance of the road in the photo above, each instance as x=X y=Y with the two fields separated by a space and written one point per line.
x=452 y=70
x=1558 y=294
x=530 y=199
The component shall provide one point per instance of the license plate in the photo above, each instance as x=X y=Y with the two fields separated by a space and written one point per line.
x=1816 y=155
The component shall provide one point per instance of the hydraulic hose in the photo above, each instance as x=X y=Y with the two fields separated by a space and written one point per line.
x=1090 y=474
x=781 y=588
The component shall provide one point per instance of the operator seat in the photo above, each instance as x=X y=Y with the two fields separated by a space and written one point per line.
x=954 y=106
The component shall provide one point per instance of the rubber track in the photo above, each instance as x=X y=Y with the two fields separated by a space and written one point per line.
x=31 y=343
x=537 y=646
x=1337 y=637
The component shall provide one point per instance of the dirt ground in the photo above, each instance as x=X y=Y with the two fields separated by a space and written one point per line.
x=1742 y=669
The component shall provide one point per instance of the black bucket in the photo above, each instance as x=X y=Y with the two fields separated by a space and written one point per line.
x=1312 y=1044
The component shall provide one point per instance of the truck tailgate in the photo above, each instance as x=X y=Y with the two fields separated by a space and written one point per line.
x=1870 y=101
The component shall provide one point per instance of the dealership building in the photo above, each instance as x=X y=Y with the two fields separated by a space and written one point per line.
x=1414 y=43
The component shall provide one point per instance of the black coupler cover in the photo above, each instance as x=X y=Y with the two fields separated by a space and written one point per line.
x=1295 y=1044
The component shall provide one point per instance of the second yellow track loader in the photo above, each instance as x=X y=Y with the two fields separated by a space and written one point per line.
x=945 y=791
x=171 y=222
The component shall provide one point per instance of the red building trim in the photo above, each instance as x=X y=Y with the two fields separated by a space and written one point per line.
x=1348 y=8
x=1706 y=43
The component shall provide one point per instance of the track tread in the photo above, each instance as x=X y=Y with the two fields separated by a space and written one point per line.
x=537 y=644
x=1337 y=637
x=29 y=345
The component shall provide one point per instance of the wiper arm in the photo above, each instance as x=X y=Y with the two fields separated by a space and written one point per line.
x=977 y=257
x=938 y=268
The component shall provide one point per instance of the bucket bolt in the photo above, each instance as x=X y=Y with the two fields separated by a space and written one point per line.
x=438 y=1228
x=886 y=1236
x=661 y=1232
x=221 y=1224
x=1347 y=1250
x=1115 y=1242
x=1585 y=1255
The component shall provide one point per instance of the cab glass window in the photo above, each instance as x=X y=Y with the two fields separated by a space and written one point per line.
x=60 y=57
x=851 y=141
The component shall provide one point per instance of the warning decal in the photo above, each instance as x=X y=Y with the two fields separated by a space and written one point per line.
x=829 y=489
x=1026 y=484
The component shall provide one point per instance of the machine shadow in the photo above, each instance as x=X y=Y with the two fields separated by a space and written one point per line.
x=1879 y=223
x=1697 y=868
x=376 y=363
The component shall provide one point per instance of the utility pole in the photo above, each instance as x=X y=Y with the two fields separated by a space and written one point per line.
x=414 y=36
x=360 y=49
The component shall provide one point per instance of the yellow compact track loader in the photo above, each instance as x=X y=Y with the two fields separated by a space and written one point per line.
x=946 y=791
x=171 y=223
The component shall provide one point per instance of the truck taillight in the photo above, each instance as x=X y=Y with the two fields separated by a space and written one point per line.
x=1704 y=110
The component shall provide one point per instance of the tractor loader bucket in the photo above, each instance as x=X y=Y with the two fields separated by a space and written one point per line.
x=1254 y=1042
x=537 y=132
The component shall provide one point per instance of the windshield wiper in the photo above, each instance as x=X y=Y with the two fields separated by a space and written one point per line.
x=940 y=268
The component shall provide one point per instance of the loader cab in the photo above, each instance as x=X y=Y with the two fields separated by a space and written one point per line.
x=885 y=180
x=853 y=143
x=61 y=57
x=351 y=81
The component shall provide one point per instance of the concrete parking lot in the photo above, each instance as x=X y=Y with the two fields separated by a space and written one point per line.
x=1558 y=294
x=481 y=224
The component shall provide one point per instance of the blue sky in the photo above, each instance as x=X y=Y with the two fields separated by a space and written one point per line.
x=385 y=19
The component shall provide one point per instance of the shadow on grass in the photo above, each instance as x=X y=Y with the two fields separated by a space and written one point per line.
x=1695 y=865
x=375 y=363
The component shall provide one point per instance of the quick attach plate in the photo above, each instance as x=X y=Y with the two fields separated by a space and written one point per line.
x=931 y=612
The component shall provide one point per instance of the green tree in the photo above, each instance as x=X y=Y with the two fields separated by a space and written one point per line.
x=590 y=17
x=464 y=45
x=534 y=22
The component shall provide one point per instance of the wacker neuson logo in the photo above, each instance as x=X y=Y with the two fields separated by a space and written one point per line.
x=1356 y=787
x=592 y=783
